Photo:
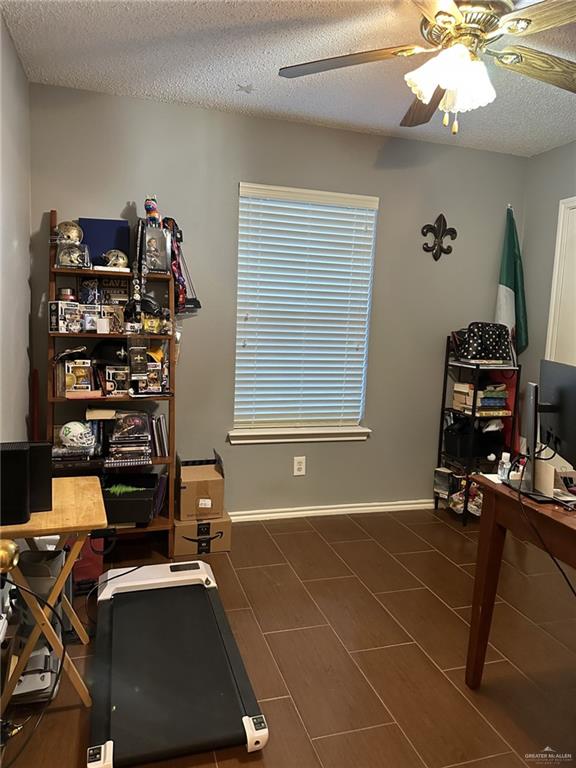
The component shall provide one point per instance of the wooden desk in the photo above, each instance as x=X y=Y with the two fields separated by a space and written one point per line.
x=78 y=508
x=501 y=511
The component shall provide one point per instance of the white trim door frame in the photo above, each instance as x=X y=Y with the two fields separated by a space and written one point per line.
x=564 y=264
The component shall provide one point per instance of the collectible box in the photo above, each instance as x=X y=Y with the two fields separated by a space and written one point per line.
x=138 y=363
x=89 y=314
x=115 y=314
x=156 y=249
x=152 y=384
x=117 y=379
x=64 y=317
x=78 y=375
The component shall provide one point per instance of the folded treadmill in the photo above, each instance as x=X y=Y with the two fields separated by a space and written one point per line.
x=167 y=678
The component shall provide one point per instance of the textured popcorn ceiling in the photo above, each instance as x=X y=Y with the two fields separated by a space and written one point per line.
x=201 y=52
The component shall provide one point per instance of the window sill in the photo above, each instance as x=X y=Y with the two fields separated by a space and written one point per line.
x=261 y=435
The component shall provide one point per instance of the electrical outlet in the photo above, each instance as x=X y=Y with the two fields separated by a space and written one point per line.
x=299 y=465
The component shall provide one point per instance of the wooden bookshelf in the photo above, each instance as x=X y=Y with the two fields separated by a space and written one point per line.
x=165 y=521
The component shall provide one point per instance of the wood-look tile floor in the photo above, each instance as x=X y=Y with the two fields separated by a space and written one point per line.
x=354 y=629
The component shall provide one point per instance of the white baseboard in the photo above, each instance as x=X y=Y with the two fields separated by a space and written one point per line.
x=331 y=509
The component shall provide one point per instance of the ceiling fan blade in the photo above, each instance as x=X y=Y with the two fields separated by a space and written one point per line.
x=351 y=59
x=431 y=9
x=420 y=113
x=537 y=64
x=537 y=17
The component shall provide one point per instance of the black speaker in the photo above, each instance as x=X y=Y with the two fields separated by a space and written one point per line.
x=26 y=478
x=15 y=476
x=40 y=477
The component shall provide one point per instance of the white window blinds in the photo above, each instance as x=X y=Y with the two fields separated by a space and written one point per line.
x=305 y=262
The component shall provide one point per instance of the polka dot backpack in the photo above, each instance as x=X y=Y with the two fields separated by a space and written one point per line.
x=483 y=342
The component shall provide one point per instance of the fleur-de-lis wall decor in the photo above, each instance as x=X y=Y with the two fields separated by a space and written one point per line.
x=439 y=230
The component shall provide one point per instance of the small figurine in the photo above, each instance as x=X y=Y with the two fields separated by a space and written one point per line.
x=153 y=218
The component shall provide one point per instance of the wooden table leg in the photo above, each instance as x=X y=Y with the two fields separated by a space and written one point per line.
x=44 y=626
x=75 y=621
x=66 y=605
x=490 y=547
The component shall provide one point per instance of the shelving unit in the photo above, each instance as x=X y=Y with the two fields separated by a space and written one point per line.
x=165 y=521
x=456 y=370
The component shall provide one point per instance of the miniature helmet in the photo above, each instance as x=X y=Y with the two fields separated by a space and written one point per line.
x=77 y=434
x=116 y=259
x=70 y=256
x=150 y=306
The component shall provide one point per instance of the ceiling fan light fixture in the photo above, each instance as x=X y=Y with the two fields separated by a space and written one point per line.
x=473 y=91
x=444 y=71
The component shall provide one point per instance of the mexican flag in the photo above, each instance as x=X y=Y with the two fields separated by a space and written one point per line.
x=510 y=301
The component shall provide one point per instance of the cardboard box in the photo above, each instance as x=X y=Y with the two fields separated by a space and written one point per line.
x=201 y=537
x=201 y=492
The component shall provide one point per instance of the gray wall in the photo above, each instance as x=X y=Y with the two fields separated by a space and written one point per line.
x=551 y=178
x=93 y=155
x=14 y=240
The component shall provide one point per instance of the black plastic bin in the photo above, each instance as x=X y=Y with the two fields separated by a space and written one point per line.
x=136 y=506
x=457 y=436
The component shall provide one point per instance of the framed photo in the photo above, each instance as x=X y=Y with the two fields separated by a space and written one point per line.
x=88 y=292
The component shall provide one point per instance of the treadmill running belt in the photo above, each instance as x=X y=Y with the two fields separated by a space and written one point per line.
x=172 y=690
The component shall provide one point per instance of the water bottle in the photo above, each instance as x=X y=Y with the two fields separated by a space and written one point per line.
x=504 y=466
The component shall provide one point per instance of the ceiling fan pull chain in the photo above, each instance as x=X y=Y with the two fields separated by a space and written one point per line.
x=455 y=125
x=446 y=119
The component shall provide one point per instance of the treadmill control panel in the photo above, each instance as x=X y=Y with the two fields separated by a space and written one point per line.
x=259 y=723
x=100 y=756
x=256 y=729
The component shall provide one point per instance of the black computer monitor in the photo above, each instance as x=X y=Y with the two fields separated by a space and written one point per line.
x=557 y=407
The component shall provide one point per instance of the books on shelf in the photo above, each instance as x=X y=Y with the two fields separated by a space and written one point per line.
x=159 y=432
x=485 y=412
x=490 y=401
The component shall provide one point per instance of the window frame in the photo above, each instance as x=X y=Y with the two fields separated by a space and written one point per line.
x=294 y=433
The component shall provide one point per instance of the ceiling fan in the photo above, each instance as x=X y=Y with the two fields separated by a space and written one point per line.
x=461 y=32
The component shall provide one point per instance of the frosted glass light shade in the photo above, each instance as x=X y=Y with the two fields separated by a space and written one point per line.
x=465 y=80
x=444 y=70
